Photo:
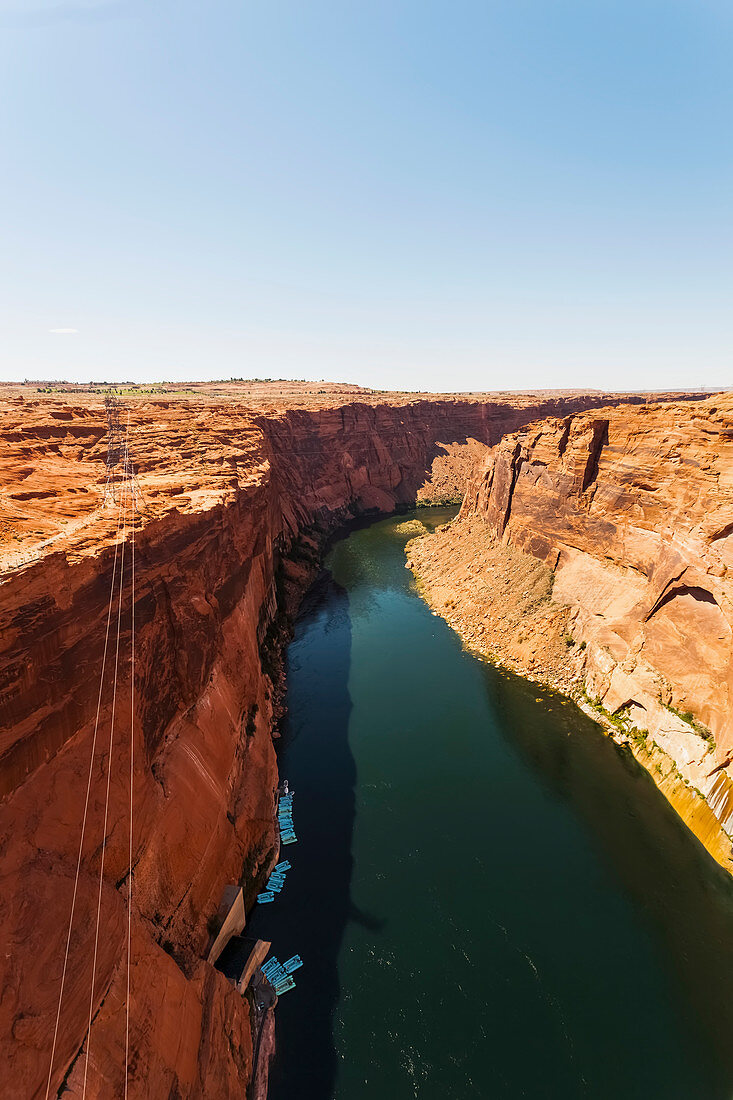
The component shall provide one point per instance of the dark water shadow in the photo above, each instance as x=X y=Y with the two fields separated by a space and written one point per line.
x=684 y=896
x=367 y=920
x=315 y=757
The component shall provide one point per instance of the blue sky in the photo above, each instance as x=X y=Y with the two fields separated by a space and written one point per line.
x=421 y=195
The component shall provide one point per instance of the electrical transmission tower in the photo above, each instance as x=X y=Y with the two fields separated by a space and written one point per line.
x=114 y=445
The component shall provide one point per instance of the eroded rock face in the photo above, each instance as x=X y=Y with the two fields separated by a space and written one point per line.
x=228 y=493
x=633 y=509
x=450 y=472
x=205 y=773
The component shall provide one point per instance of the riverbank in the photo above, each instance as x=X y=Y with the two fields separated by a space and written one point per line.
x=499 y=600
x=236 y=496
x=438 y=797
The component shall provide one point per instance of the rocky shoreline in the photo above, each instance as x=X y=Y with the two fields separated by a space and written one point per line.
x=238 y=499
x=499 y=601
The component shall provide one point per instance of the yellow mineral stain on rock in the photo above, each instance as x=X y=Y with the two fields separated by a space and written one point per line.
x=688 y=803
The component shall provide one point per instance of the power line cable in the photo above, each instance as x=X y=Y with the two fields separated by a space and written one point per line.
x=106 y=802
x=86 y=806
x=129 y=469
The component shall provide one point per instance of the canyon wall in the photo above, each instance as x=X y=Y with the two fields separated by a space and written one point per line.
x=632 y=509
x=236 y=506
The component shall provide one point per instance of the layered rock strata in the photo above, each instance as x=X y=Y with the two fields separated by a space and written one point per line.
x=450 y=472
x=236 y=505
x=631 y=512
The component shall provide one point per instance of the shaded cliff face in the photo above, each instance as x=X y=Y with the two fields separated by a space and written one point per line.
x=204 y=778
x=228 y=495
x=633 y=509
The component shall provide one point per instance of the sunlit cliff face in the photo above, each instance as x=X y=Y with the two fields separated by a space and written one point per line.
x=633 y=509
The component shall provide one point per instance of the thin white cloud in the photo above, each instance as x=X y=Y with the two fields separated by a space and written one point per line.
x=43 y=7
x=63 y=331
x=21 y=14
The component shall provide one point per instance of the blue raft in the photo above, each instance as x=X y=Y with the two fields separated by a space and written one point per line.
x=284 y=985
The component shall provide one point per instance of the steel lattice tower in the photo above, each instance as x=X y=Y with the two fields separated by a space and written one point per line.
x=114 y=445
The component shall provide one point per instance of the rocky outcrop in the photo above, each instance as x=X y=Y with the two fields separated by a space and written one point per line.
x=450 y=472
x=236 y=505
x=633 y=511
x=497 y=598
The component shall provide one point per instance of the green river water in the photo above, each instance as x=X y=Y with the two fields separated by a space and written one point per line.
x=491 y=899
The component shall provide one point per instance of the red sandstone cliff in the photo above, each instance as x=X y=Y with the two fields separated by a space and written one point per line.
x=633 y=510
x=228 y=492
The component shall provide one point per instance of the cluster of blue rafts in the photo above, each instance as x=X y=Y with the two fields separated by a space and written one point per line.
x=285 y=819
x=275 y=882
x=279 y=975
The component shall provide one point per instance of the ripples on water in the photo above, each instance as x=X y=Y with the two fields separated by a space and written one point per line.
x=491 y=899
